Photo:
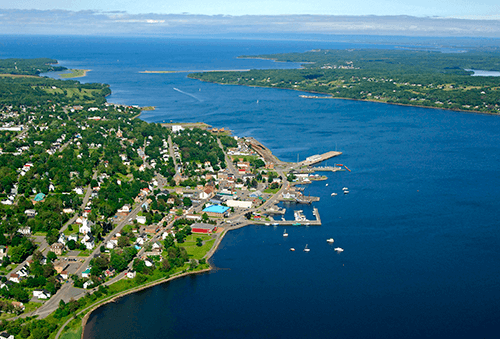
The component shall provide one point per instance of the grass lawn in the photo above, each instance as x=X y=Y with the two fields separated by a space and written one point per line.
x=194 y=251
x=68 y=232
x=73 y=333
x=40 y=234
x=31 y=306
x=85 y=253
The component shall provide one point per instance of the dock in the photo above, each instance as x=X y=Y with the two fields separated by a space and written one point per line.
x=315 y=159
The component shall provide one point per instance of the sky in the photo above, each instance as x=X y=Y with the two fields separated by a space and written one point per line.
x=464 y=9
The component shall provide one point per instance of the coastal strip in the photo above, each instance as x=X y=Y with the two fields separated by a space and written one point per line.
x=195 y=71
x=75 y=73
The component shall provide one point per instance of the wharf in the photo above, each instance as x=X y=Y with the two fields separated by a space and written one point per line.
x=319 y=158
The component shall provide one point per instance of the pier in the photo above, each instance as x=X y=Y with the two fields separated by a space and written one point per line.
x=319 y=158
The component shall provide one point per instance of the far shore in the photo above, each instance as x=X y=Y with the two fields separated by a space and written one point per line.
x=353 y=99
x=196 y=71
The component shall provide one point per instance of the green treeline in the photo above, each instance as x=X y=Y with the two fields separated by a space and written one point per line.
x=420 y=78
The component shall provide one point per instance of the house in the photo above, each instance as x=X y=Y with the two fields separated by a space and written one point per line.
x=68 y=210
x=62 y=239
x=57 y=248
x=73 y=237
x=86 y=273
x=156 y=245
x=109 y=273
x=203 y=228
x=14 y=278
x=112 y=243
x=18 y=305
x=131 y=274
x=140 y=241
x=87 y=284
x=64 y=275
x=217 y=211
x=78 y=190
x=88 y=241
x=6 y=335
x=124 y=211
x=30 y=213
x=41 y=294
x=23 y=272
x=141 y=219
x=3 y=251
x=206 y=193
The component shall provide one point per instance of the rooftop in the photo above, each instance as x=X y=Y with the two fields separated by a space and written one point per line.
x=216 y=209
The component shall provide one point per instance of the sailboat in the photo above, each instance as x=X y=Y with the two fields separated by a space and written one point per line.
x=330 y=240
x=339 y=249
x=306 y=249
x=285 y=234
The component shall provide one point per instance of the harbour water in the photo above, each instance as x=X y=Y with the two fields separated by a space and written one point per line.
x=419 y=226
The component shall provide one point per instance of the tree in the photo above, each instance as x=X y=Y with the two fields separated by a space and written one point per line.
x=51 y=256
x=123 y=241
x=199 y=242
x=71 y=244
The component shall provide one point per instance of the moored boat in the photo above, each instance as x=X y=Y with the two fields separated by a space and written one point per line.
x=330 y=240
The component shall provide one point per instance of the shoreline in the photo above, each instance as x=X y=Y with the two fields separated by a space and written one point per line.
x=353 y=99
x=209 y=254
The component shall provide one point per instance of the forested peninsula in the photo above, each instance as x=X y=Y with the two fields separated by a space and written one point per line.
x=406 y=77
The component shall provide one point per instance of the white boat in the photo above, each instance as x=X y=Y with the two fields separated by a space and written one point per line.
x=333 y=194
x=346 y=192
x=326 y=185
x=285 y=234
x=275 y=224
x=267 y=224
x=292 y=249
x=306 y=249
x=344 y=189
x=339 y=249
x=330 y=240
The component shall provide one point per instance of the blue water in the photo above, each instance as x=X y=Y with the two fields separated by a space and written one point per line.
x=419 y=226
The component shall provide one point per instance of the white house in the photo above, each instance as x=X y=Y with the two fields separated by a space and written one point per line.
x=88 y=241
x=141 y=219
x=78 y=190
x=41 y=294
x=131 y=274
x=86 y=273
x=14 y=277
x=87 y=284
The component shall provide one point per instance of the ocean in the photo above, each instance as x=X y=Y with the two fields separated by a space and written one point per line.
x=419 y=226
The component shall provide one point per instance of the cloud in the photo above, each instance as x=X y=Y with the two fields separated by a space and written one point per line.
x=121 y=23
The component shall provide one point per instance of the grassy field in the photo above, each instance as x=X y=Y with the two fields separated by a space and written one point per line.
x=71 y=92
x=196 y=252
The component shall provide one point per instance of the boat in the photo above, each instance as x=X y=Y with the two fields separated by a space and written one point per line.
x=292 y=249
x=326 y=185
x=306 y=249
x=346 y=192
x=339 y=249
x=344 y=189
x=285 y=234
x=333 y=194
x=330 y=240
x=296 y=224
x=267 y=224
x=340 y=165
x=275 y=224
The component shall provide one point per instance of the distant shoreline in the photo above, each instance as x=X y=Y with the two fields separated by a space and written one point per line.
x=195 y=71
x=353 y=99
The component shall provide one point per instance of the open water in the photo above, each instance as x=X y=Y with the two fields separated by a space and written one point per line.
x=420 y=226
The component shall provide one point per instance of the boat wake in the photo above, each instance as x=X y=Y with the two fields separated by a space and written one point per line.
x=191 y=95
